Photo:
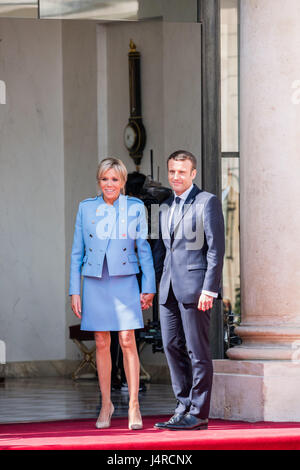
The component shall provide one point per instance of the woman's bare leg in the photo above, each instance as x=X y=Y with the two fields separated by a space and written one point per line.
x=131 y=364
x=132 y=371
x=103 y=360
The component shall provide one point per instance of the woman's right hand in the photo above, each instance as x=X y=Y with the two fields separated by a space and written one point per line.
x=76 y=305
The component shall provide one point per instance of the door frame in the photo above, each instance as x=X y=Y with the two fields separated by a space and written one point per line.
x=208 y=14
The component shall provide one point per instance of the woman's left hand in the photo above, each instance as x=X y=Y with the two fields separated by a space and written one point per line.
x=146 y=300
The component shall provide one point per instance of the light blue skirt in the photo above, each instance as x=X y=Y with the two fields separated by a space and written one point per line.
x=111 y=303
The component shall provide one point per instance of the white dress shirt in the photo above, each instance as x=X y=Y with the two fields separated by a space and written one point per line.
x=183 y=198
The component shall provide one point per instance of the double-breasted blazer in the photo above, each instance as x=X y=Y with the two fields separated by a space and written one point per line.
x=117 y=231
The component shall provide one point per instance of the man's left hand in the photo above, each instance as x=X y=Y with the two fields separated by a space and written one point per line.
x=205 y=302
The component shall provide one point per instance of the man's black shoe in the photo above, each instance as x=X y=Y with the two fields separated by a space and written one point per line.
x=173 y=420
x=188 y=423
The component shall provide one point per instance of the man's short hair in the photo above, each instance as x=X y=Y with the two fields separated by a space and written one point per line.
x=183 y=155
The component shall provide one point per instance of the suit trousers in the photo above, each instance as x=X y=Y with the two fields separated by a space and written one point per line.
x=185 y=335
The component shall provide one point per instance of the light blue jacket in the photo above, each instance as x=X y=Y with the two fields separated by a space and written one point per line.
x=112 y=231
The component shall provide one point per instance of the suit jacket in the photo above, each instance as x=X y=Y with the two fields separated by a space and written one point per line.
x=116 y=232
x=192 y=259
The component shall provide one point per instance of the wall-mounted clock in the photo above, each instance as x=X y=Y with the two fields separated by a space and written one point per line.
x=134 y=133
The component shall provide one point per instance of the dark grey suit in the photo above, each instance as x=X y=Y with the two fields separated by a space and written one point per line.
x=186 y=263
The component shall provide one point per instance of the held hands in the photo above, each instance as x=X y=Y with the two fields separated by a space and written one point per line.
x=146 y=300
x=205 y=302
x=76 y=305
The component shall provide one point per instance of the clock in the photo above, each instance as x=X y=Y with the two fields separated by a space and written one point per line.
x=130 y=136
x=134 y=132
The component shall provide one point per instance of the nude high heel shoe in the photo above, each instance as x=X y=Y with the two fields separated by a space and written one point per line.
x=105 y=424
x=134 y=419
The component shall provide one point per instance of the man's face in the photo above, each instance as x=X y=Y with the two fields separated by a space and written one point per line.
x=180 y=175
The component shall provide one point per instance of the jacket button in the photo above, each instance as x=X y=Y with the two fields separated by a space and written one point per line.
x=124 y=249
x=124 y=262
x=91 y=235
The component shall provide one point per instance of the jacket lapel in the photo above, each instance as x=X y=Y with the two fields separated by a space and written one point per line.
x=187 y=205
x=112 y=214
x=164 y=217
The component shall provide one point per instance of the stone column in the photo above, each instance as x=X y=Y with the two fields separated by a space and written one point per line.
x=262 y=379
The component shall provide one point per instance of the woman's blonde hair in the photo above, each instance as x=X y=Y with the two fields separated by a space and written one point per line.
x=112 y=163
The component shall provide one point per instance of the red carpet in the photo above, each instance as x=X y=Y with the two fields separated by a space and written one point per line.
x=82 y=435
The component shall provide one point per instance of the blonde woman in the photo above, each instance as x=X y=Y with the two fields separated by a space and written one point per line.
x=109 y=230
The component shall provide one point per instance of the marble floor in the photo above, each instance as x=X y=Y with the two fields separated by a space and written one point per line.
x=56 y=398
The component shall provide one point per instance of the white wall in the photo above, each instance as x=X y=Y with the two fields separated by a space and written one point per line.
x=171 y=90
x=182 y=89
x=48 y=158
x=32 y=309
x=113 y=44
x=79 y=46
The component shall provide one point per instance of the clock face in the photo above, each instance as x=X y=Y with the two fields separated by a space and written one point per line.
x=130 y=136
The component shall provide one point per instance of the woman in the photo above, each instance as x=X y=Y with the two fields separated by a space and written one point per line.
x=108 y=229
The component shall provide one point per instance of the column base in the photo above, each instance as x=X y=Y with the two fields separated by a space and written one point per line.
x=256 y=390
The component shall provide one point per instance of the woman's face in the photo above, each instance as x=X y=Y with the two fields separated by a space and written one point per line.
x=110 y=184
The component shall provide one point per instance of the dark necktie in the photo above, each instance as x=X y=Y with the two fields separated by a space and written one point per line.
x=175 y=215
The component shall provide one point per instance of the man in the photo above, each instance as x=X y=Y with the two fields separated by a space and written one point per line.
x=188 y=260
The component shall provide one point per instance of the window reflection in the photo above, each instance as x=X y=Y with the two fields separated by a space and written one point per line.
x=230 y=170
x=229 y=75
x=230 y=202
x=120 y=10
x=19 y=9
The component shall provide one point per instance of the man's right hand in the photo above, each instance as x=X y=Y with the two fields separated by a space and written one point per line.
x=205 y=302
x=76 y=305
